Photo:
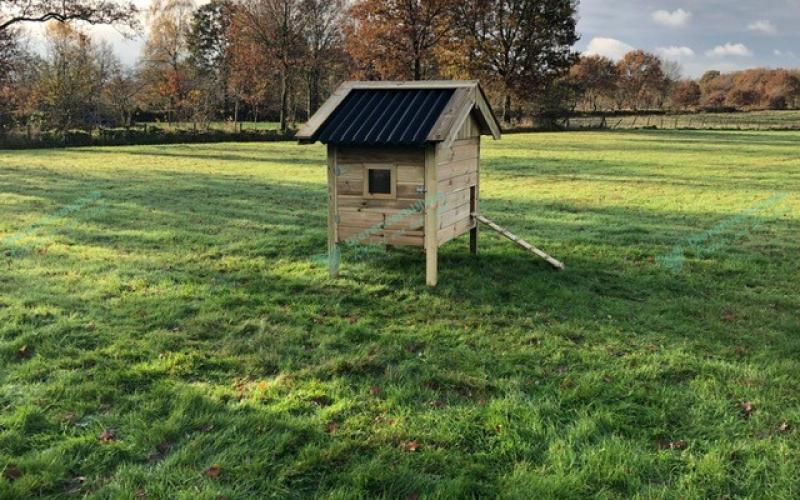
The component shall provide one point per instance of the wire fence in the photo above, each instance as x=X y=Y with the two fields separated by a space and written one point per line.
x=768 y=120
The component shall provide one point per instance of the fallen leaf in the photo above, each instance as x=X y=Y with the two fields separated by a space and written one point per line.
x=375 y=390
x=24 y=352
x=672 y=445
x=321 y=401
x=784 y=427
x=108 y=435
x=12 y=472
x=410 y=446
x=747 y=409
x=159 y=453
x=213 y=471
x=74 y=485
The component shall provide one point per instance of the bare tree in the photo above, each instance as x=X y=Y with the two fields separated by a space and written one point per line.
x=524 y=45
x=89 y=11
x=322 y=30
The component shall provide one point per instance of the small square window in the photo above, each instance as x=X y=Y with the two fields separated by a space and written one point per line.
x=380 y=181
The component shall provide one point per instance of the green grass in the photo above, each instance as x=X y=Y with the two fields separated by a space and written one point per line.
x=753 y=120
x=172 y=294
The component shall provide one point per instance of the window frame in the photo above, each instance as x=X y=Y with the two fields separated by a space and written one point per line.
x=392 y=195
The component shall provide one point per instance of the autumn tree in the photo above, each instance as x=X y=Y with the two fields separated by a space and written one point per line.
x=165 y=54
x=596 y=77
x=642 y=80
x=397 y=39
x=686 y=94
x=781 y=90
x=276 y=27
x=248 y=83
x=13 y=12
x=522 y=45
x=120 y=94
x=10 y=61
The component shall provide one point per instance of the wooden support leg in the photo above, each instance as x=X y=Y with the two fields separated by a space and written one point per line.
x=473 y=234
x=333 y=259
x=432 y=265
x=431 y=218
x=473 y=240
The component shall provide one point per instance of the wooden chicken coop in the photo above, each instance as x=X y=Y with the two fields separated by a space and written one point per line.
x=403 y=163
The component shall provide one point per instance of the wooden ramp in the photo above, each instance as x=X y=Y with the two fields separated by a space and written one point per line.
x=520 y=242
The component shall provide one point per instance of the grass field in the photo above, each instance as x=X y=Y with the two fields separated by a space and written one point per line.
x=166 y=330
x=754 y=120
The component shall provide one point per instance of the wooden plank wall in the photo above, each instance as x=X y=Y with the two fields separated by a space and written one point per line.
x=379 y=221
x=457 y=169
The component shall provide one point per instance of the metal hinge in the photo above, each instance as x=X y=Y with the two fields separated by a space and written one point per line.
x=421 y=190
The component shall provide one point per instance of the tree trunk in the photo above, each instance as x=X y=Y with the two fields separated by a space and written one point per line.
x=284 y=101
x=507 y=109
x=313 y=92
x=236 y=112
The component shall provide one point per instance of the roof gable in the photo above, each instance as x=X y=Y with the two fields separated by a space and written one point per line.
x=398 y=113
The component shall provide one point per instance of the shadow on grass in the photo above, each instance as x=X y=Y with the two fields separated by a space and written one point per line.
x=193 y=303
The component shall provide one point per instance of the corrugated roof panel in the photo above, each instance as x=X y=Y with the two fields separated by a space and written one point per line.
x=384 y=117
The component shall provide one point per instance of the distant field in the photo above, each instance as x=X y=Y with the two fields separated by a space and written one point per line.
x=168 y=328
x=756 y=120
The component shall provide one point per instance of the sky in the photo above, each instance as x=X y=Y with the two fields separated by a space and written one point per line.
x=700 y=35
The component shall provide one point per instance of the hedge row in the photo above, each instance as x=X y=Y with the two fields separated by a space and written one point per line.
x=133 y=136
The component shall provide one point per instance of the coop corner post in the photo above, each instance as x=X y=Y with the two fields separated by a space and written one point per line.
x=473 y=208
x=431 y=217
x=333 y=246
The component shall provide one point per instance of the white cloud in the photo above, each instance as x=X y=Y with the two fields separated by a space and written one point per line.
x=608 y=47
x=763 y=26
x=730 y=49
x=676 y=19
x=675 y=52
x=784 y=53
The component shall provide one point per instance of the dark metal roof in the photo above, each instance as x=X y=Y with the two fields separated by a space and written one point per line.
x=384 y=117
